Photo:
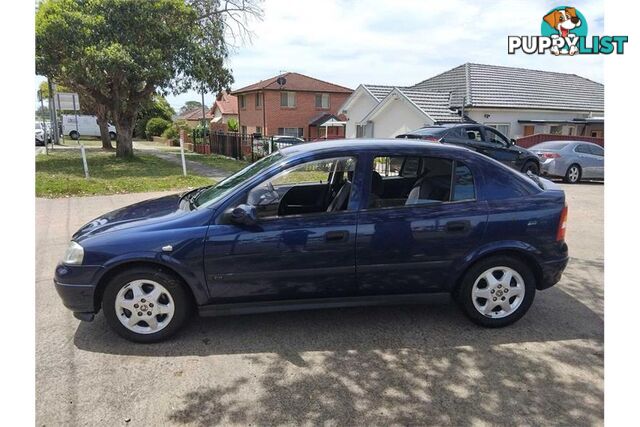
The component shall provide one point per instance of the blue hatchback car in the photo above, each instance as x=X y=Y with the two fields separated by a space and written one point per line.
x=326 y=224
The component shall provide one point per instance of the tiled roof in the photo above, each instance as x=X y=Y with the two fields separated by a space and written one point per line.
x=297 y=82
x=226 y=103
x=195 y=114
x=378 y=91
x=509 y=87
x=433 y=104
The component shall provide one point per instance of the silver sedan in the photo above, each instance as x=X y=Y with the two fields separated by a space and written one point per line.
x=570 y=160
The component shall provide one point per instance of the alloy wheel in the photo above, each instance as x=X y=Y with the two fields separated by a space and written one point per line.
x=574 y=173
x=498 y=292
x=144 y=306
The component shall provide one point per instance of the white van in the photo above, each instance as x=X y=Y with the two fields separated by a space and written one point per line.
x=87 y=126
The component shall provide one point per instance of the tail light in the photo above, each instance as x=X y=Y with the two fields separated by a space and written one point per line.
x=548 y=155
x=562 y=224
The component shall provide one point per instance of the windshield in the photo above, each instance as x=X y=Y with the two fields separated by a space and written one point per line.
x=211 y=194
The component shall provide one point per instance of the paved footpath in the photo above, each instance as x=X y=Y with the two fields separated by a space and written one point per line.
x=408 y=365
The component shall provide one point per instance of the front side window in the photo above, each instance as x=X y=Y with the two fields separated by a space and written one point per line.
x=582 y=148
x=322 y=100
x=321 y=186
x=596 y=150
x=404 y=181
x=496 y=138
x=288 y=99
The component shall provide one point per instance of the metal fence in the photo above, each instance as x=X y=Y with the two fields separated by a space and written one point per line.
x=242 y=146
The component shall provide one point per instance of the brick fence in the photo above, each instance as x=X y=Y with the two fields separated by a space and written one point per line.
x=528 y=141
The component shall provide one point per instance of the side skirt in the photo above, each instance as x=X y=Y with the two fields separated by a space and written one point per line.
x=319 y=303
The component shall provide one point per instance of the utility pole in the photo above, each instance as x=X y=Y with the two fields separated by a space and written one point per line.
x=204 y=119
x=53 y=113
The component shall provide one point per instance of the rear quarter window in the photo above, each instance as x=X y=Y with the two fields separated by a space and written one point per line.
x=501 y=183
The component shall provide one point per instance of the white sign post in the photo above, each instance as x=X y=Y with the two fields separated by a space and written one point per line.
x=184 y=165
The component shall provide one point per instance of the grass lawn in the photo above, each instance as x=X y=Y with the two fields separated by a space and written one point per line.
x=226 y=164
x=61 y=174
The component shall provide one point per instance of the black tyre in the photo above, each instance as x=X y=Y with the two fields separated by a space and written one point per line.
x=112 y=136
x=146 y=304
x=497 y=291
x=74 y=135
x=573 y=175
x=532 y=167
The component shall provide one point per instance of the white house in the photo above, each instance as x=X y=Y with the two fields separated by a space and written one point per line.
x=517 y=101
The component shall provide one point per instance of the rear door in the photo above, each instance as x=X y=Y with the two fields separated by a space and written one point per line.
x=411 y=246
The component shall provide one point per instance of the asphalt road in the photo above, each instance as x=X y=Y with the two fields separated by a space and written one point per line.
x=393 y=365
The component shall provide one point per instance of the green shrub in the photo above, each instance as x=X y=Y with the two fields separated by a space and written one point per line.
x=156 y=126
x=232 y=124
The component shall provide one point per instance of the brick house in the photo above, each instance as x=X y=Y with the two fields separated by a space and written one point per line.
x=224 y=109
x=292 y=104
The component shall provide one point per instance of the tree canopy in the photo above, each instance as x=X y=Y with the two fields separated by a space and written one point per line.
x=121 y=52
x=190 y=105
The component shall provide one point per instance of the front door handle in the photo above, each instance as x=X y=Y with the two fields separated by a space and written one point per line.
x=457 y=226
x=336 y=236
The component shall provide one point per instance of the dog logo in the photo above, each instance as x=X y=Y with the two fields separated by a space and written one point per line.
x=564 y=20
x=564 y=31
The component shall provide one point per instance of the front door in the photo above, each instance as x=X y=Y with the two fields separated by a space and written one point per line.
x=591 y=165
x=408 y=244
x=496 y=146
x=302 y=245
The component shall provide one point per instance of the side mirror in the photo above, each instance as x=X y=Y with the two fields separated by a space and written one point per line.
x=244 y=215
x=512 y=141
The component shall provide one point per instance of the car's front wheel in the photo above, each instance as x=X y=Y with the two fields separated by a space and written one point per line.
x=497 y=291
x=146 y=304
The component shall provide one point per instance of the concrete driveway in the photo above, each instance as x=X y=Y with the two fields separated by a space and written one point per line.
x=392 y=365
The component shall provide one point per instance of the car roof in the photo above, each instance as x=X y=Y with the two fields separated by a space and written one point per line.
x=567 y=142
x=369 y=145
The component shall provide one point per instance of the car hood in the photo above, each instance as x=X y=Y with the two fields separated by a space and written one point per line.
x=143 y=213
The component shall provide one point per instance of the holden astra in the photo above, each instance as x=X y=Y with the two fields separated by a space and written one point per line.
x=325 y=224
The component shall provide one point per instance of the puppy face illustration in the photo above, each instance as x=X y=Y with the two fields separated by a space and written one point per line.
x=563 y=20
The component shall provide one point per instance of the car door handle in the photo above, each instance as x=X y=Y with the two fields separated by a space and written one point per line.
x=457 y=226
x=336 y=236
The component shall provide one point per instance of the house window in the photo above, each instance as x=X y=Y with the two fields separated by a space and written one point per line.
x=259 y=129
x=295 y=132
x=242 y=102
x=503 y=128
x=322 y=100
x=555 y=130
x=288 y=99
x=243 y=130
x=259 y=100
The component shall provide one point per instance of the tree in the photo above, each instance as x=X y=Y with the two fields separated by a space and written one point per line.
x=157 y=106
x=122 y=51
x=190 y=105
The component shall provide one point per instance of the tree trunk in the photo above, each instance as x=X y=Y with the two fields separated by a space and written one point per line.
x=124 y=130
x=103 y=124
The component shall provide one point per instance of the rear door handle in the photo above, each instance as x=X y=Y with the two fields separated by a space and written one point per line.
x=458 y=226
x=336 y=236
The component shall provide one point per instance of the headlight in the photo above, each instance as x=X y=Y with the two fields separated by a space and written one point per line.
x=74 y=254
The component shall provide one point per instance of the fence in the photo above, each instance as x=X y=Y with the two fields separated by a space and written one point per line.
x=531 y=140
x=243 y=147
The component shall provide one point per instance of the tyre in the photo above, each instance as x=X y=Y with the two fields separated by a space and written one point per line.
x=573 y=175
x=497 y=291
x=112 y=136
x=531 y=167
x=74 y=135
x=146 y=304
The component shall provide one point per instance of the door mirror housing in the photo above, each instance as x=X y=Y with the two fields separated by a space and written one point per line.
x=244 y=215
x=512 y=142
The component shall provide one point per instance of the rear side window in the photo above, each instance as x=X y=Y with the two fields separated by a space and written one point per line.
x=463 y=187
x=501 y=183
x=583 y=149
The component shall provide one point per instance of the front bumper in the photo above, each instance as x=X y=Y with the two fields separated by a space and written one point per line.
x=77 y=286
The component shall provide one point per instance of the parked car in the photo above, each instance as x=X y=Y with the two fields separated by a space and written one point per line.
x=87 y=126
x=570 y=160
x=285 y=140
x=42 y=134
x=483 y=139
x=336 y=224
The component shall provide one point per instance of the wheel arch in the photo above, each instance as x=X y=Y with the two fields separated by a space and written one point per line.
x=116 y=269
x=523 y=255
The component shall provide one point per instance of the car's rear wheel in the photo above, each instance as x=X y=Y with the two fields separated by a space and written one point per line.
x=146 y=304
x=497 y=291
x=531 y=167
x=112 y=136
x=573 y=175
x=74 y=135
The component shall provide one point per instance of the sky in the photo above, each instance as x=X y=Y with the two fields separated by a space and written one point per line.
x=349 y=42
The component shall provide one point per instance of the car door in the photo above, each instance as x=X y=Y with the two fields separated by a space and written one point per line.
x=598 y=153
x=497 y=146
x=587 y=161
x=410 y=248
x=284 y=256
